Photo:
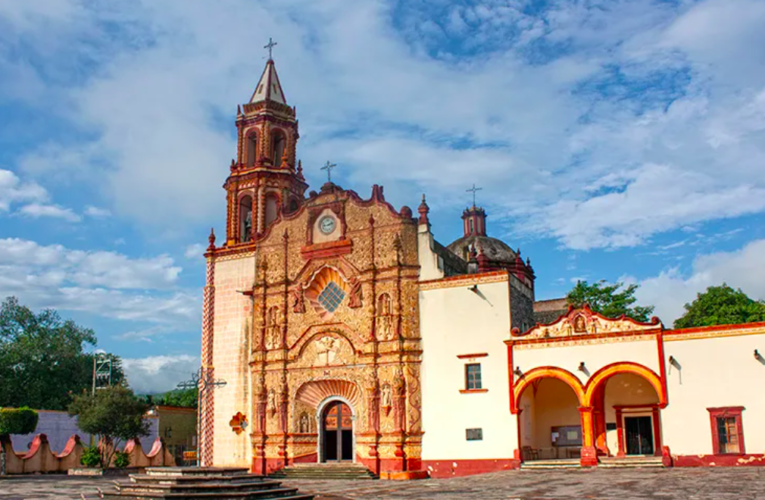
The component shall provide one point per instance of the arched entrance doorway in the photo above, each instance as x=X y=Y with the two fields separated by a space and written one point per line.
x=336 y=432
x=550 y=422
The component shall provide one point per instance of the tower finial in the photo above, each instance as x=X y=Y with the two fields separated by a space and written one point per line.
x=211 y=239
x=423 y=210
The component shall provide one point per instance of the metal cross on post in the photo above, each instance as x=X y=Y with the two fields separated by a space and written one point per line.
x=328 y=167
x=269 y=46
x=203 y=380
x=473 y=190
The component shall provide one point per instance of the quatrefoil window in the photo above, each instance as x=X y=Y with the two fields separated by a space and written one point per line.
x=331 y=297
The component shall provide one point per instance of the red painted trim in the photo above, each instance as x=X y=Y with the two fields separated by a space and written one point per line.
x=662 y=366
x=457 y=468
x=636 y=407
x=327 y=249
x=476 y=355
x=727 y=460
x=471 y=277
x=588 y=336
x=620 y=432
x=729 y=411
x=589 y=387
x=511 y=379
x=737 y=326
x=655 y=418
x=472 y=391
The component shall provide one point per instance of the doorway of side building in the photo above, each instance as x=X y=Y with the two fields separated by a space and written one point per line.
x=337 y=432
x=550 y=421
x=627 y=417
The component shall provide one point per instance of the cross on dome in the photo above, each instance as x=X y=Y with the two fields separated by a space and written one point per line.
x=473 y=190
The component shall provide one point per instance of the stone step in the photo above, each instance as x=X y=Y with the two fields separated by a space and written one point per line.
x=221 y=488
x=325 y=471
x=626 y=462
x=196 y=471
x=158 y=479
x=551 y=464
x=203 y=496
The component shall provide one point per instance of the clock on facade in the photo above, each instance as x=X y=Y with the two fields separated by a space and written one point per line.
x=327 y=224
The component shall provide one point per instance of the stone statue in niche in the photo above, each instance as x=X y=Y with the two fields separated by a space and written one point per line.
x=355 y=299
x=273 y=330
x=386 y=397
x=271 y=404
x=326 y=350
x=579 y=324
x=247 y=227
x=304 y=425
x=384 y=318
x=594 y=325
x=298 y=301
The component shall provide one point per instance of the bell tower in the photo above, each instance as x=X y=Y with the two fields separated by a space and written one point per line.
x=266 y=180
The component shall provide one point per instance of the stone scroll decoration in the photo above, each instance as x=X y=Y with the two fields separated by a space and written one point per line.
x=584 y=322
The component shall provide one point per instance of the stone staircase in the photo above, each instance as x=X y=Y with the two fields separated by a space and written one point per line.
x=324 y=471
x=631 y=461
x=561 y=463
x=182 y=483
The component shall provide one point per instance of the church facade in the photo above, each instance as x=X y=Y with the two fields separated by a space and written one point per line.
x=345 y=332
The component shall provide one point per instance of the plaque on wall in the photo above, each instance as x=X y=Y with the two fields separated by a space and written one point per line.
x=474 y=434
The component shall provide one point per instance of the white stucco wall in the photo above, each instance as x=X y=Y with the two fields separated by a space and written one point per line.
x=594 y=356
x=713 y=373
x=457 y=321
x=431 y=267
x=231 y=358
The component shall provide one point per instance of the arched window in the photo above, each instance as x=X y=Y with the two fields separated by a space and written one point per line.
x=245 y=219
x=252 y=148
x=272 y=208
x=278 y=148
x=293 y=206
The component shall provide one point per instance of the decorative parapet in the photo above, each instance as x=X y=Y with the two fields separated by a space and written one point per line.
x=582 y=323
x=41 y=459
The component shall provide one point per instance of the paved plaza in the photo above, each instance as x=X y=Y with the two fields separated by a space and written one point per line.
x=626 y=484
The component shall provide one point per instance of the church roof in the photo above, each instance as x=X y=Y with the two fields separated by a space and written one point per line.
x=269 y=88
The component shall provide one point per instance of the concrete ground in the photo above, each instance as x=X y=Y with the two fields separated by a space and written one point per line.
x=624 y=484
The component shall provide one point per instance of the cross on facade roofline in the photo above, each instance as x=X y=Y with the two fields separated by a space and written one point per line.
x=328 y=167
x=473 y=190
x=269 y=46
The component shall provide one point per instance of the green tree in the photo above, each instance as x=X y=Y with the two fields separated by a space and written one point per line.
x=610 y=300
x=721 y=305
x=114 y=414
x=14 y=421
x=186 y=398
x=42 y=358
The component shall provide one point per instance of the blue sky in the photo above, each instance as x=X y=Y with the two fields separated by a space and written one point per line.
x=613 y=139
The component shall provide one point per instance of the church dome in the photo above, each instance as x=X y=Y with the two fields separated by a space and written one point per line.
x=495 y=250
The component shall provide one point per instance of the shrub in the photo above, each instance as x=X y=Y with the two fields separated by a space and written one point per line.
x=121 y=459
x=17 y=421
x=91 y=457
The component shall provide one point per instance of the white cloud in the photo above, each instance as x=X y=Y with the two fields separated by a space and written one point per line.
x=97 y=212
x=670 y=290
x=640 y=84
x=194 y=251
x=37 y=210
x=13 y=190
x=107 y=284
x=153 y=374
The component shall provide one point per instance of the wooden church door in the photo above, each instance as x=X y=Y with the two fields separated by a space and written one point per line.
x=337 y=431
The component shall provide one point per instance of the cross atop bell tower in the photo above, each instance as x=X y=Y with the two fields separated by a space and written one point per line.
x=266 y=180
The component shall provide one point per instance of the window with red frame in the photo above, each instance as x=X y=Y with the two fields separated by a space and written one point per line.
x=727 y=430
